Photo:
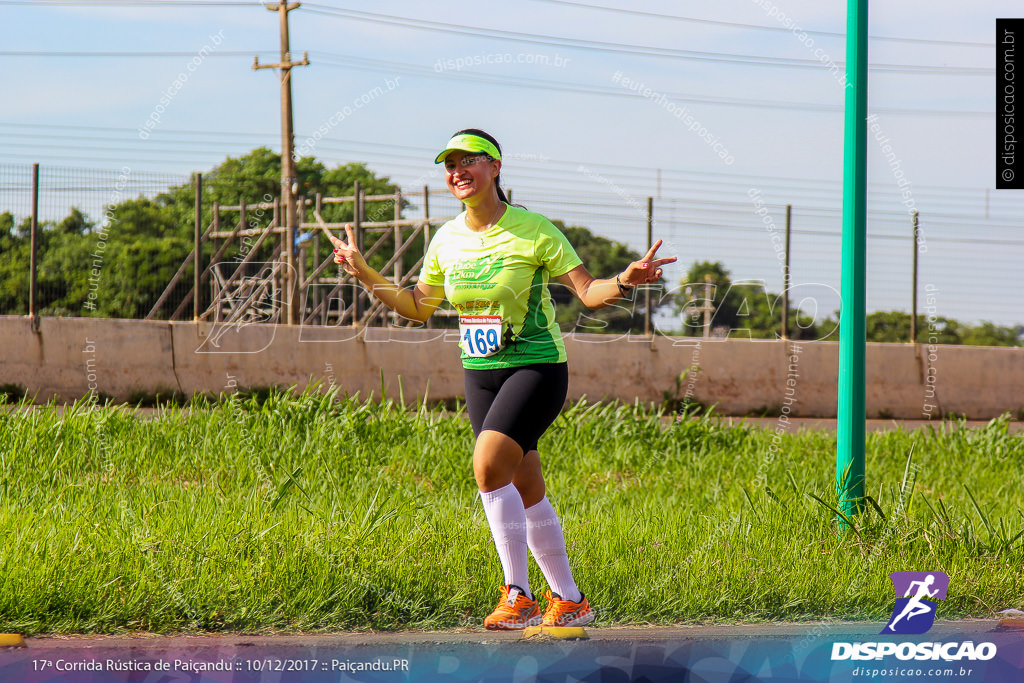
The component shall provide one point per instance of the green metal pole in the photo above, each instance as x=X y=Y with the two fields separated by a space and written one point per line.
x=851 y=412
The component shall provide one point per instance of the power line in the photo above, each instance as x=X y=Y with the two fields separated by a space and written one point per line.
x=686 y=201
x=341 y=60
x=690 y=189
x=616 y=171
x=690 y=209
x=173 y=131
x=382 y=66
x=79 y=148
x=761 y=27
x=639 y=177
x=134 y=3
x=619 y=10
x=127 y=53
x=623 y=48
x=647 y=51
x=344 y=61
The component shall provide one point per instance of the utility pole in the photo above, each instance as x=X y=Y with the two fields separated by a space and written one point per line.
x=709 y=306
x=647 y=290
x=33 y=280
x=913 y=312
x=786 y=280
x=288 y=179
x=197 y=242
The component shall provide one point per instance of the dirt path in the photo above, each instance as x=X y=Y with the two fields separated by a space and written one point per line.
x=748 y=652
x=654 y=634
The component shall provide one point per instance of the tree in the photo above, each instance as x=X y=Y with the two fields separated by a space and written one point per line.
x=76 y=223
x=60 y=264
x=13 y=267
x=738 y=309
x=137 y=252
x=119 y=267
x=253 y=178
x=602 y=257
x=894 y=327
x=256 y=177
x=64 y=262
x=990 y=334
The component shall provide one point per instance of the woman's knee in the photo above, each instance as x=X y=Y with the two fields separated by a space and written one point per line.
x=496 y=459
x=529 y=480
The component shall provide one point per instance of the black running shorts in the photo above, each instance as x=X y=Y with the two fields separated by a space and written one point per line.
x=518 y=402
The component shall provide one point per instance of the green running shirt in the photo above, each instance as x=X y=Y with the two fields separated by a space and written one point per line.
x=504 y=271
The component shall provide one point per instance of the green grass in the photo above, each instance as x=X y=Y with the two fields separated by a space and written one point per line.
x=315 y=512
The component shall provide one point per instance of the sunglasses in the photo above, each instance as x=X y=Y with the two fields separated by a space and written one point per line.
x=466 y=161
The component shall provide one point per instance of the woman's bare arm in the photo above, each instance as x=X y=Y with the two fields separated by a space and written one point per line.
x=597 y=293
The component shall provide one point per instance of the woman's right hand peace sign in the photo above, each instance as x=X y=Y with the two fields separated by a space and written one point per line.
x=346 y=254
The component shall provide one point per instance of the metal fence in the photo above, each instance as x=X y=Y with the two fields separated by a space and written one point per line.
x=962 y=261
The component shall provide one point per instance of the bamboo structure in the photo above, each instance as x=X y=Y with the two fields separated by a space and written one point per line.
x=239 y=288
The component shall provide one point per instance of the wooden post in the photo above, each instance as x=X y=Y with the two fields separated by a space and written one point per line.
x=913 y=312
x=33 y=281
x=647 y=289
x=216 y=218
x=242 y=224
x=785 y=276
x=426 y=233
x=288 y=177
x=709 y=306
x=426 y=217
x=318 y=202
x=186 y=264
x=357 y=205
x=302 y=255
x=398 y=243
x=301 y=252
x=197 y=239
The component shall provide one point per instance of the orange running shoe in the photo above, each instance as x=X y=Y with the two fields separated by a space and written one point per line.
x=515 y=611
x=566 y=612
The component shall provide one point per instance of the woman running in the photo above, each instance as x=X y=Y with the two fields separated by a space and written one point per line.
x=493 y=263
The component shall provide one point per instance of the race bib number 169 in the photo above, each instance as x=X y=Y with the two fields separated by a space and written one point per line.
x=480 y=335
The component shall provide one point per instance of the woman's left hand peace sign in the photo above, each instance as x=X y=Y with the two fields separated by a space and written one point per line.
x=647 y=269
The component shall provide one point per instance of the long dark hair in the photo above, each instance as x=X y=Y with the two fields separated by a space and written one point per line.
x=490 y=138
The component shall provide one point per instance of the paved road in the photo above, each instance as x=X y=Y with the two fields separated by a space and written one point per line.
x=829 y=424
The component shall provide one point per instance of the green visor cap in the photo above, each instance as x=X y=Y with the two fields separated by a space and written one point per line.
x=469 y=143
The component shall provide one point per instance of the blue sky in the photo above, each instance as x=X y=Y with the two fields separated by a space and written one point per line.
x=579 y=144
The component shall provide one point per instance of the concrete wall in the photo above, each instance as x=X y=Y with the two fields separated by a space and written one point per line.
x=69 y=356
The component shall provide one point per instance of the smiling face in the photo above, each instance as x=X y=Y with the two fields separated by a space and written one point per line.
x=470 y=176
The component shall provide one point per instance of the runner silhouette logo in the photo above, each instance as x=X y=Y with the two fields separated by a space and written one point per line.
x=917 y=596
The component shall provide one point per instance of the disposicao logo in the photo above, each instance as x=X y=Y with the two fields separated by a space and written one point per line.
x=917 y=595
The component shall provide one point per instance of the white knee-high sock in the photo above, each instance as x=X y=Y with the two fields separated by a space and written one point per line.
x=507 y=517
x=544 y=535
